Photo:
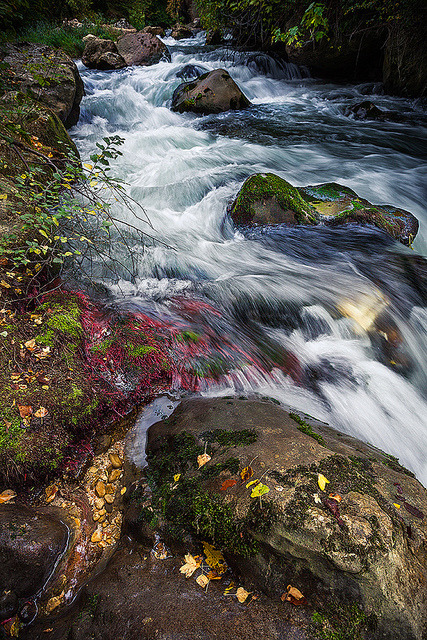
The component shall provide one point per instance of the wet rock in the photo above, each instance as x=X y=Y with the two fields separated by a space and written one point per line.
x=268 y=199
x=101 y=54
x=180 y=31
x=350 y=542
x=114 y=475
x=339 y=205
x=212 y=92
x=154 y=31
x=9 y=603
x=142 y=49
x=100 y=489
x=49 y=76
x=364 y=111
x=190 y=72
x=31 y=541
x=150 y=598
x=115 y=460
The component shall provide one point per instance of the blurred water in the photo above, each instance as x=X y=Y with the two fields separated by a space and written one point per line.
x=311 y=293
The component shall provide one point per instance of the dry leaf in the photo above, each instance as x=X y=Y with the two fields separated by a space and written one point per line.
x=230 y=482
x=41 y=413
x=30 y=344
x=96 y=536
x=242 y=594
x=396 y=505
x=213 y=575
x=317 y=500
x=203 y=581
x=176 y=477
x=322 y=481
x=229 y=588
x=203 y=459
x=53 y=603
x=190 y=566
x=246 y=473
x=214 y=558
x=335 y=496
x=293 y=595
x=251 y=483
x=25 y=411
x=7 y=495
x=51 y=492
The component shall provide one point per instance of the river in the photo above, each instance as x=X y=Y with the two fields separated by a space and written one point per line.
x=307 y=298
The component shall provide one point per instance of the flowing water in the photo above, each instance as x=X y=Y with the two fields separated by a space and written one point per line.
x=299 y=305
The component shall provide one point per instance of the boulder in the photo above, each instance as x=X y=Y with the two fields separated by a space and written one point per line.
x=180 y=31
x=338 y=205
x=359 y=539
x=154 y=31
x=190 y=72
x=49 y=75
x=268 y=199
x=142 y=49
x=365 y=110
x=101 y=54
x=212 y=92
x=31 y=541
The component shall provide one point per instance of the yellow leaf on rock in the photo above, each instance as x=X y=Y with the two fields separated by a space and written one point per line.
x=259 y=490
x=242 y=594
x=203 y=459
x=246 y=473
x=214 y=558
x=203 y=581
x=251 y=483
x=322 y=481
x=176 y=477
x=190 y=566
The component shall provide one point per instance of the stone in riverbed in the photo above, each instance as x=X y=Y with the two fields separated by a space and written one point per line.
x=358 y=547
x=212 y=92
x=142 y=49
x=31 y=541
x=100 y=53
x=180 y=31
x=269 y=199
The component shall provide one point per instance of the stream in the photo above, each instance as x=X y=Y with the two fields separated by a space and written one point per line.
x=307 y=298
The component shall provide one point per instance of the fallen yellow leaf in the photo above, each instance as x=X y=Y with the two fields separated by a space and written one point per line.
x=322 y=481
x=246 y=473
x=190 y=566
x=242 y=594
x=203 y=459
x=203 y=581
x=176 y=477
x=259 y=490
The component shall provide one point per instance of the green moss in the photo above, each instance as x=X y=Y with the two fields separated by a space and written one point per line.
x=339 y=621
x=230 y=438
x=393 y=463
x=306 y=428
x=138 y=351
x=261 y=187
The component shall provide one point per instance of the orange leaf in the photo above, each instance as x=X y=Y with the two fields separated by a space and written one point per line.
x=246 y=473
x=230 y=482
x=293 y=595
x=25 y=411
x=41 y=413
x=336 y=497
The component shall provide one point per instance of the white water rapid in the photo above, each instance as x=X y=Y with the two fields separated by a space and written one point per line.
x=309 y=292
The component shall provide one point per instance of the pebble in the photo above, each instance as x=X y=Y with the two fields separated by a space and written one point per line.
x=99 y=503
x=114 y=475
x=109 y=498
x=115 y=460
x=109 y=488
x=100 y=489
x=96 y=536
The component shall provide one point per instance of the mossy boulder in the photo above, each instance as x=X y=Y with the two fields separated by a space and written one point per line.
x=266 y=198
x=212 y=92
x=349 y=543
x=337 y=205
x=48 y=75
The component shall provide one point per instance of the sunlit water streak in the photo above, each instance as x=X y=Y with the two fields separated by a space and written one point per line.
x=284 y=288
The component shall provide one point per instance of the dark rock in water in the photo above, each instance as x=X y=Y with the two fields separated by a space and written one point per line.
x=180 y=31
x=355 y=549
x=190 y=72
x=48 y=75
x=101 y=54
x=9 y=604
x=142 y=49
x=338 y=205
x=155 y=31
x=268 y=199
x=214 y=37
x=30 y=543
x=364 y=111
x=212 y=92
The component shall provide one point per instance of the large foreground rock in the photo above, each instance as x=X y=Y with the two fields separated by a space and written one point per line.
x=363 y=540
x=49 y=76
x=212 y=92
x=142 y=49
x=269 y=199
x=101 y=54
x=30 y=545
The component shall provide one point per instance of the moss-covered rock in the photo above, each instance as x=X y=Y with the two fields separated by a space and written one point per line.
x=338 y=205
x=350 y=543
x=212 y=92
x=265 y=198
x=48 y=75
